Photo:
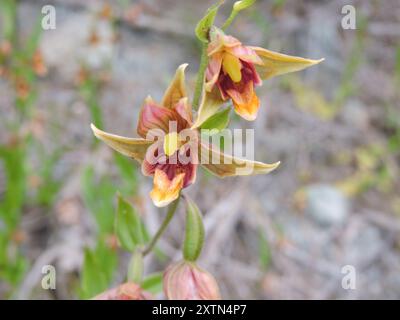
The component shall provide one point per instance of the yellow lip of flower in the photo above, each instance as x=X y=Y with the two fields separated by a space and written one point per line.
x=172 y=143
x=232 y=66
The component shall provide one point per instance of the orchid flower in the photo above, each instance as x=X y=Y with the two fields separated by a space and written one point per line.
x=234 y=70
x=164 y=150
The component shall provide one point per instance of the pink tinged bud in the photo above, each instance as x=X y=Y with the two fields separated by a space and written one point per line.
x=126 y=291
x=186 y=281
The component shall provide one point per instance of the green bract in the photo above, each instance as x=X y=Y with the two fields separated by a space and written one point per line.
x=218 y=121
x=206 y=22
x=194 y=234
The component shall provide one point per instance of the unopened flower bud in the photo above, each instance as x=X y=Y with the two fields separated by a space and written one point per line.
x=243 y=4
x=184 y=280
x=126 y=291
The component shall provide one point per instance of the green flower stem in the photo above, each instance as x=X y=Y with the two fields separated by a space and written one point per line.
x=135 y=268
x=228 y=21
x=170 y=213
x=200 y=76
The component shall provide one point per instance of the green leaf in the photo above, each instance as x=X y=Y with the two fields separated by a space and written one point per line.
x=48 y=189
x=153 y=283
x=13 y=198
x=98 y=195
x=204 y=25
x=93 y=281
x=12 y=268
x=218 y=121
x=194 y=234
x=128 y=225
x=98 y=269
x=128 y=173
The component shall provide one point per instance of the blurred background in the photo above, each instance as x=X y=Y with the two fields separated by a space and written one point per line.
x=334 y=201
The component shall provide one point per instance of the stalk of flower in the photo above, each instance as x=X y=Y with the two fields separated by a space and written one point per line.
x=169 y=146
x=234 y=70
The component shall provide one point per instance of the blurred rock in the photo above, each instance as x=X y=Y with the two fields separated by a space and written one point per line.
x=326 y=205
x=355 y=115
x=319 y=40
x=306 y=235
x=80 y=39
x=365 y=245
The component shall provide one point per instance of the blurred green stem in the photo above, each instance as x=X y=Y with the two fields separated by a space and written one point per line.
x=170 y=213
x=228 y=21
x=200 y=76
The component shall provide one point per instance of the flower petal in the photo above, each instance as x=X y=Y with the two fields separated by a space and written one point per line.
x=131 y=147
x=248 y=109
x=190 y=174
x=246 y=54
x=219 y=41
x=153 y=158
x=153 y=116
x=177 y=88
x=213 y=70
x=206 y=284
x=165 y=191
x=227 y=165
x=249 y=72
x=246 y=102
x=278 y=63
x=184 y=109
